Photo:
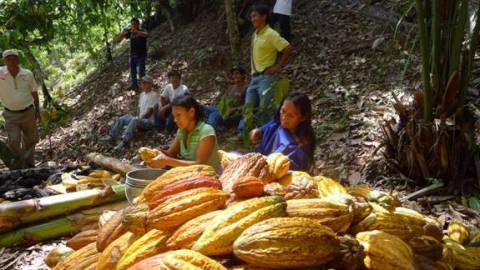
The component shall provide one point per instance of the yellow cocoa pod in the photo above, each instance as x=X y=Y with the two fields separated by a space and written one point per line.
x=100 y=174
x=389 y=222
x=333 y=214
x=147 y=154
x=113 y=253
x=182 y=259
x=57 y=255
x=295 y=175
x=465 y=258
x=218 y=237
x=82 y=257
x=188 y=233
x=287 y=242
x=227 y=157
x=385 y=251
x=184 y=206
x=458 y=232
x=279 y=164
x=174 y=175
x=150 y=244
x=328 y=187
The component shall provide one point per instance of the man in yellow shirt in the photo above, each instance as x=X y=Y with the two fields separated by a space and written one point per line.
x=18 y=94
x=269 y=54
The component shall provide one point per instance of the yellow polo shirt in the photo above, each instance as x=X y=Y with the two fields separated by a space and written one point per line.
x=266 y=44
x=16 y=93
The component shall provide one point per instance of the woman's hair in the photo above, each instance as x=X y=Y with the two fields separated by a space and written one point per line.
x=187 y=101
x=305 y=131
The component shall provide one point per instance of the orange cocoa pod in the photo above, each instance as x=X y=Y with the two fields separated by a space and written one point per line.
x=82 y=239
x=183 y=185
x=248 y=187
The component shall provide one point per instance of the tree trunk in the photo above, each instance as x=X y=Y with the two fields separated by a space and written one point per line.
x=39 y=75
x=233 y=33
x=163 y=9
x=110 y=163
x=108 y=47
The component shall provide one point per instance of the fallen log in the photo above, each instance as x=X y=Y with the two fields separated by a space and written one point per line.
x=14 y=214
x=64 y=226
x=110 y=163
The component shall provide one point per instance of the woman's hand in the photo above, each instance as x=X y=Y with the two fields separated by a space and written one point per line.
x=158 y=162
x=255 y=135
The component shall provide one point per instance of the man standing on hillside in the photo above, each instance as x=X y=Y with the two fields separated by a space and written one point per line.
x=18 y=93
x=266 y=63
x=138 y=50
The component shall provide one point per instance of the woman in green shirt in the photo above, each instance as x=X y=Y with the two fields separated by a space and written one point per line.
x=195 y=142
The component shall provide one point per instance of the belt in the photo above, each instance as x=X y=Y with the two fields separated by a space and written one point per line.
x=257 y=74
x=31 y=105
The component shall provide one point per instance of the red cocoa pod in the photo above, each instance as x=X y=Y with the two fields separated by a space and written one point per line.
x=248 y=187
x=183 y=185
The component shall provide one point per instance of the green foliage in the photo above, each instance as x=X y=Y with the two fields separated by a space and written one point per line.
x=66 y=37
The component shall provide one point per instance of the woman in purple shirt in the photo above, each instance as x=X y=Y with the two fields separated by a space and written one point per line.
x=290 y=133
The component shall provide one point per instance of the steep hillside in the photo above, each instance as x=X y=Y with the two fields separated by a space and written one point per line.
x=340 y=61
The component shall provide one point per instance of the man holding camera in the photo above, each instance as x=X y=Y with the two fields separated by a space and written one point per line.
x=138 y=50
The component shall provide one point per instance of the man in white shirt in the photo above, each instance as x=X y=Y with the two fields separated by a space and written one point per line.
x=18 y=93
x=144 y=120
x=282 y=11
x=163 y=110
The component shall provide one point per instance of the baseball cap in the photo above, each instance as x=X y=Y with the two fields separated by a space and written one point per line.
x=9 y=53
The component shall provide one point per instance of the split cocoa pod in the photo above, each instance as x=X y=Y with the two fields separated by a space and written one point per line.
x=279 y=164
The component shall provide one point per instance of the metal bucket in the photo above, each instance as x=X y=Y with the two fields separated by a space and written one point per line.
x=137 y=180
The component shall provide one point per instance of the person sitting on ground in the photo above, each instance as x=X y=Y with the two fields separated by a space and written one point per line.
x=290 y=133
x=163 y=110
x=143 y=121
x=195 y=142
x=229 y=109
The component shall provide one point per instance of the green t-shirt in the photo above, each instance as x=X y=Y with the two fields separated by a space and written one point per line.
x=189 y=151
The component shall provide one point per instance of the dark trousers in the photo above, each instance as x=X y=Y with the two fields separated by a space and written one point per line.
x=284 y=22
x=166 y=122
x=136 y=64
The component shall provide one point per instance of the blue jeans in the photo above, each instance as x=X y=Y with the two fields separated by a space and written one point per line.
x=136 y=63
x=166 y=122
x=132 y=123
x=213 y=117
x=259 y=105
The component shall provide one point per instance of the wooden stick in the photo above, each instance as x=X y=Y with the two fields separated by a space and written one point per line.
x=110 y=163
x=423 y=191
